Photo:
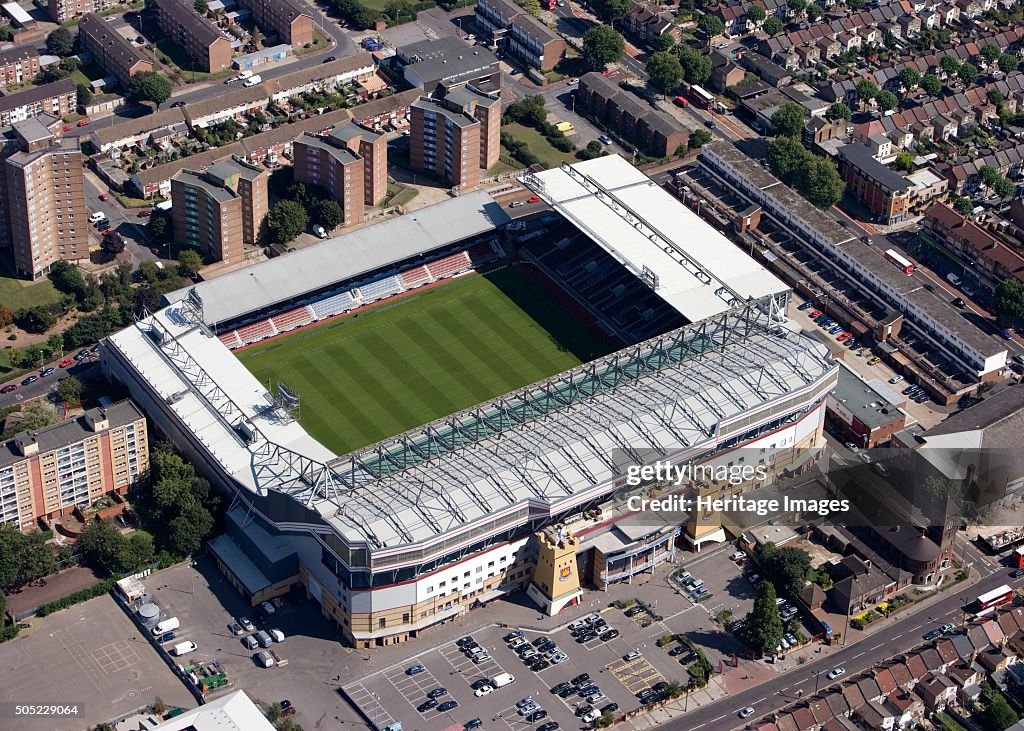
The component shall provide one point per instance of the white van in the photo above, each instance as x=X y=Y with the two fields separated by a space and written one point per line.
x=264 y=658
x=277 y=635
x=184 y=648
x=97 y=217
x=253 y=80
x=166 y=626
x=953 y=279
x=264 y=639
x=500 y=681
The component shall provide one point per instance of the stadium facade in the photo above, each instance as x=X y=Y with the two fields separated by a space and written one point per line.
x=418 y=529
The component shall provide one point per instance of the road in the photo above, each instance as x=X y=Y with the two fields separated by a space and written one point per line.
x=125 y=221
x=887 y=642
x=88 y=370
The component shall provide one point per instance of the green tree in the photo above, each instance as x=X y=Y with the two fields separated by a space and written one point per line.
x=786 y=568
x=696 y=66
x=602 y=45
x=6 y=32
x=797 y=6
x=24 y=557
x=189 y=262
x=160 y=226
x=532 y=7
x=327 y=213
x=1007 y=63
x=1004 y=187
x=150 y=86
x=931 y=84
x=37 y=319
x=995 y=97
x=190 y=528
x=813 y=13
x=886 y=100
x=113 y=244
x=998 y=713
x=611 y=10
x=83 y=95
x=904 y=161
x=68 y=278
x=963 y=206
x=711 y=25
x=763 y=628
x=34 y=415
x=988 y=174
x=785 y=155
x=968 y=73
x=60 y=42
x=772 y=26
x=990 y=52
x=698 y=138
x=820 y=182
x=286 y=220
x=756 y=14
x=788 y=120
x=866 y=90
x=909 y=78
x=665 y=71
x=1010 y=301
x=201 y=7
x=839 y=111
x=69 y=389
x=664 y=42
x=950 y=64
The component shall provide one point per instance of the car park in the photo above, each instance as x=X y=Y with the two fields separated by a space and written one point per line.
x=447 y=706
x=514 y=635
x=415 y=670
x=517 y=642
x=465 y=641
x=426 y=705
x=609 y=634
x=537 y=715
x=437 y=693
x=549 y=726
x=632 y=655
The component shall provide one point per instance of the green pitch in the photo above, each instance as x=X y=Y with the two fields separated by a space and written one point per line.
x=363 y=379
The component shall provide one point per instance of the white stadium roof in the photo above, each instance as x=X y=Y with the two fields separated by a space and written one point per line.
x=345 y=257
x=699 y=272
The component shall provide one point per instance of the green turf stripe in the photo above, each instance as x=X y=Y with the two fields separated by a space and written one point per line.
x=414 y=387
x=364 y=368
x=444 y=388
x=474 y=361
x=511 y=325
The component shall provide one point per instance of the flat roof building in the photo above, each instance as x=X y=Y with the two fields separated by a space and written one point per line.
x=46 y=473
x=458 y=137
x=867 y=413
x=450 y=60
x=116 y=54
x=885 y=192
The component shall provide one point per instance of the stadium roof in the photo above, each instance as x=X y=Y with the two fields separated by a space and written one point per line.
x=698 y=271
x=344 y=257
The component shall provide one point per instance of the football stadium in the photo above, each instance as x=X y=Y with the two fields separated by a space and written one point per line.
x=422 y=415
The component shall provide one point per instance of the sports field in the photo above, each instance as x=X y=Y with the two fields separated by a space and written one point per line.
x=399 y=365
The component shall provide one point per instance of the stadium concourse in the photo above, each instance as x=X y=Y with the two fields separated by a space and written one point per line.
x=414 y=530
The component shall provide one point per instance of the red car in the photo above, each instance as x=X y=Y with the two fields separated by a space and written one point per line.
x=83 y=122
x=9 y=388
x=67 y=128
x=103 y=196
x=65 y=363
x=843 y=337
x=533 y=199
x=814 y=313
x=144 y=214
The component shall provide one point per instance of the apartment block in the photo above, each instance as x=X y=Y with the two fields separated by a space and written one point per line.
x=43 y=197
x=885 y=192
x=519 y=34
x=194 y=34
x=58 y=98
x=47 y=473
x=457 y=136
x=116 y=54
x=654 y=131
x=62 y=10
x=288 y=19
x=348 y=161
x=221 y=210
x=18 y=64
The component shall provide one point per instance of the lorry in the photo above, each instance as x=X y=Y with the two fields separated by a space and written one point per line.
x=166 y=626
x=184 y=648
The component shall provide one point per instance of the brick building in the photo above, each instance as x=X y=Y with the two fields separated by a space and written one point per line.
x=993 y=260
x=289 y=20
x=63 y=10
x=58 y=98
x=885 y=192
x=653 y=131
x=519 y=34
x=457 y=136
x=18 y=64
x=112 y=51
x=194 y=34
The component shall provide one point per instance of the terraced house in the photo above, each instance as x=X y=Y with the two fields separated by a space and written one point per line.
x=195 y=34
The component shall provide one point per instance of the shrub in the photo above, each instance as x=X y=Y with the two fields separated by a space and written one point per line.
x=77 y=597
x=9 y=632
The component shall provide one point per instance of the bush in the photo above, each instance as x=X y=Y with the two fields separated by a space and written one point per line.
x=9 y=632
x=562 y=144
x=77 y=597
x=665 y=640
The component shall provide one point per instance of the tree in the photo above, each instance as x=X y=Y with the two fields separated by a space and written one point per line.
x=69 y=389
x=190 y=529
x=1010 y=301
x=950 y=65
x=968 y=73
x=886 y=100
x=150 y=86
x=963 y=206
x=998 y=713
x=532 y=7
x=1004 y=187
x=37 y=319
x=813 y=13
x=711 y=25
x=909 y=79
x=602 y=45
x=838 y=111
x=611 y=10
x=786 y=568
x=286 y=220
x=820 y=182
x=664 y=42
x=68 y=278
x=856 y=4
x=201 y=6
x=698 y=138
x=34 y=415
x=665 y=71
x=756 y=14
x=113 y=243
x=772 y=26
x=866 y=90
x=797 y=6
x=931 y=84
x=189 y=262
x=988 y=174
x=788 y=120
x=904 y=161
x=995 y=97
x=327 y=213
x=24 y=557
x=83 y=95
x=6 y=316
x=160 y=226
x=990 y=52
x=60 y=42
x=696 y=66
x=1007 y=63
x=785 y=155
x=763 y=628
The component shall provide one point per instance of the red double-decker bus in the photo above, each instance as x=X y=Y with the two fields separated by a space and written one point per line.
x=701 y=98
x=990 y=600
x=900 y=261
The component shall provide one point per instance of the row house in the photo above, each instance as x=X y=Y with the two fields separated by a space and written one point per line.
x=18 y=64
x=993 y=260
x=734 y=17
x=963 y=174
x=910 y=25
x=970 y=8
x=522 y=35
x=647 y=23
x=654 y=131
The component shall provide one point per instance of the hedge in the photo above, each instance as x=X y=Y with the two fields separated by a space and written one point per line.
x=77 y=597
x=9 y=632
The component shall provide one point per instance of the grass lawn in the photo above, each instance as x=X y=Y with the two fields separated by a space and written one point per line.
x=170 y=53
x=393 y=368
x=16 y=295
x=318 y=42
x=538 y=145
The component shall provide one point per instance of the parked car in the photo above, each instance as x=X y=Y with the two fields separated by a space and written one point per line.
x=9 y=388
x=235 y=628
x=415 y=670
x=746 y=712
x=247 y=625
x=46 y=372
x=437 y=693
x=426 y=705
